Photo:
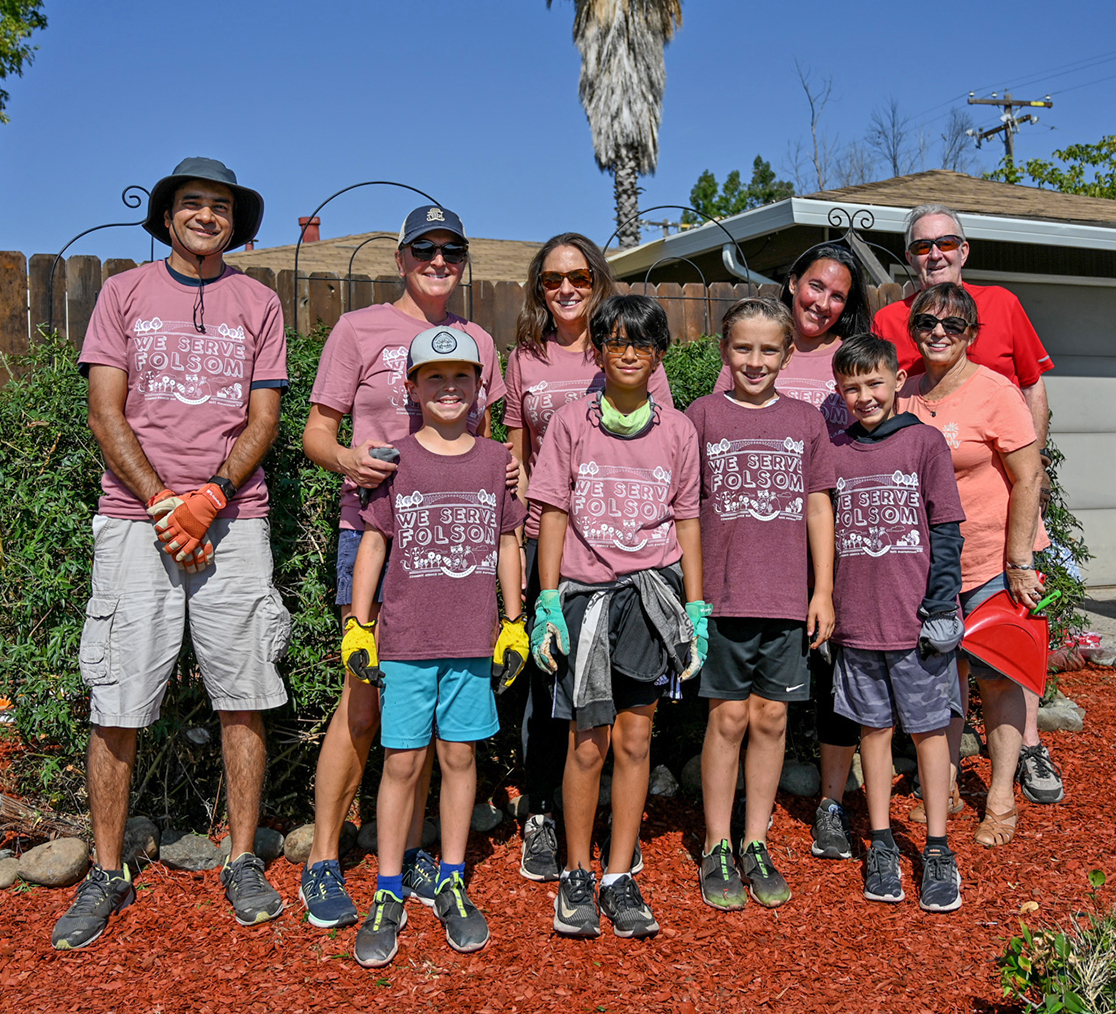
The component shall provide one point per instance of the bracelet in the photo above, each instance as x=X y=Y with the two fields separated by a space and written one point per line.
x=1020 y=566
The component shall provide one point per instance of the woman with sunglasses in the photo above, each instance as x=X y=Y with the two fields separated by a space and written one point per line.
x=991 y=438
x=362 y=373
x=552 y=364
x=828 y=300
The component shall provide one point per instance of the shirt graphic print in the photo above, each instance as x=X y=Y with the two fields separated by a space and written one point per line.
x=452 y=534
x=174 y=362
x=756 y=478
x=878 y=514
x=612 y=505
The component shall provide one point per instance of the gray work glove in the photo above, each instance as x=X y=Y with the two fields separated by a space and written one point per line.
x=941 y=632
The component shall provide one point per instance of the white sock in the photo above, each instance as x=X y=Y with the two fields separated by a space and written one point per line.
x=610 y=878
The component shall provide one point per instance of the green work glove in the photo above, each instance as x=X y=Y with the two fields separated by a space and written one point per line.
x=549 y=624
x=510 y=655
x=358 y=652
x=698 y=612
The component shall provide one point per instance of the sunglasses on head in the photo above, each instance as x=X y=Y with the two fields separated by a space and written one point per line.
x=581 y=278
x=619 y=346
x=921 y=247
x=926 y=322
x=453 y=252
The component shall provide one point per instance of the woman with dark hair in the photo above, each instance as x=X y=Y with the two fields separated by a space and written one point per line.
x=828 y=300
x=552 y=363
x=992 y=441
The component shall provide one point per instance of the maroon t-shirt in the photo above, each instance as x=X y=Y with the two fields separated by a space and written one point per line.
x=758 y=466
x=445 y=515
x=888 y=495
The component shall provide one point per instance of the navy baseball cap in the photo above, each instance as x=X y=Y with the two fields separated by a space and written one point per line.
x=429 y=218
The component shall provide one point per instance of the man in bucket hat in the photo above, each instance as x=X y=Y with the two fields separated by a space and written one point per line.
x=186 y=359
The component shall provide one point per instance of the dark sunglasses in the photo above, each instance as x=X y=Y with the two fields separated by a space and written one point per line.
x=582 y=278
x=921 y=247
x=453 y=252
x=619 y=346
x=926 y=322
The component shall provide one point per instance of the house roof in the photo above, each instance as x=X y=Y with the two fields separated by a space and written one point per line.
x=492 y=259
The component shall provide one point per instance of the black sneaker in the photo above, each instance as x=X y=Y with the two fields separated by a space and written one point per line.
x=466 y=926
x=941 y=882
x=1038 y=776
x=831 y=832
x=323 y=893
x=98 y=897
x=575 y=909
x=420 y=878
x=378 y=939
x=765 y=883
x=253 y=899
x=606 y=845
x=540 y=849
x=721 y=886
x=625 y=906
x=884 y=881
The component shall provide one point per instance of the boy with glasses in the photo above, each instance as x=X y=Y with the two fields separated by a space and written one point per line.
x=619 y=553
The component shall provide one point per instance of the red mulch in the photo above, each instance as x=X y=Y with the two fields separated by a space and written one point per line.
x=178 y=949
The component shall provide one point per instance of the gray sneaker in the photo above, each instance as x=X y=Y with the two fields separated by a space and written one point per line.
x=378 y=939
x=1038 y=776
x=253 y=899
x=884 y=881
x=721 y=886
x=540 y=849
x=466 y=926
x=831 y=832
x=420 y=878
x=575 y=909
x=606 y=847
x=624 y=905
x=941 y=882
x=98 y=897
x=765 y=883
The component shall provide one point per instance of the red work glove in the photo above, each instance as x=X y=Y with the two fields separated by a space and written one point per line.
x=163 y=503
x=183 y=529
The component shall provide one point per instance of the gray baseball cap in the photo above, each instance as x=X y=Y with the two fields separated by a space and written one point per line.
x=442 y=344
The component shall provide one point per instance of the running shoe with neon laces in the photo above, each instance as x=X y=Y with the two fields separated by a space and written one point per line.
x=941 y=882
x=98 y=897
x=831 y=832
x=624 y=905
x=765 y=883
x=420 y=877
x=253 y=899
x=466 y=926
x=575 y=909
x=721 y=886
x=323 y=893
x=378 y=938
x=1038 y=776
x=540 y=849
x=884 y=880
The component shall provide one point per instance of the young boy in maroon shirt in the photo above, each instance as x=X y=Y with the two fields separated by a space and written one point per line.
x=766 y=472
x=898 y=578
x=619 y=553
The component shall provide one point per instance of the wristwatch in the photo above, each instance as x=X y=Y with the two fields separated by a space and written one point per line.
x=224 y=486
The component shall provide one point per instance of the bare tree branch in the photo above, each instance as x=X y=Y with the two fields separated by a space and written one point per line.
x=817 y=96
x=957 y=146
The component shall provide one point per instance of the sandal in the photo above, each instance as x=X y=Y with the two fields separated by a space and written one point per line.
x=995 y=830
x=956 y=805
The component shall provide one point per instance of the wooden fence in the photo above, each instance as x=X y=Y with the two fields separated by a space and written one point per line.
x=693 y=308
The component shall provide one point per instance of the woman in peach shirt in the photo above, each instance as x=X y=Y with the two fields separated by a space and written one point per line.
x=995 y=453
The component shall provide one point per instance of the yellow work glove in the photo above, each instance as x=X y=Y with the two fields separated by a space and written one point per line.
x=510 y=656
x=358 y=652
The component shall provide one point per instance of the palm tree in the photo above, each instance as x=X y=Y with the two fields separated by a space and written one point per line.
x=623 y=77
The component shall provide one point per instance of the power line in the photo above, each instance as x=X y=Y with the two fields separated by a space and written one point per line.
x=1085 y=85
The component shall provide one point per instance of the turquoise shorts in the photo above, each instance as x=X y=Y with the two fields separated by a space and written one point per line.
x=453 y=695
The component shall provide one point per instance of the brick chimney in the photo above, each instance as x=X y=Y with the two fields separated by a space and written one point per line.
x=312 y=234
x=250 y=245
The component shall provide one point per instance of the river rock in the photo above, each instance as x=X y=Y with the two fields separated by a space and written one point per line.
x=268 y=844
x=59 y=863
x=605 y=797
x=9 y=871
x=1059 y=719
x=800 y=779
x=297 y=844
x=691 y=776
x=856 y=774
x=903 y=766
x=662 y=782
x=970 y=743
x=430 y=833
x=486 y=817
x=519 y=807
x=141 y=842
x=182 y=850
x=366 y=837
x=7 y=854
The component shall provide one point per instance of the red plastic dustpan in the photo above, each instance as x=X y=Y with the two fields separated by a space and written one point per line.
x=1012 y=639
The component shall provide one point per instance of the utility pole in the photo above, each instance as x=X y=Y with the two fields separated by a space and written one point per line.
x=1010 y=122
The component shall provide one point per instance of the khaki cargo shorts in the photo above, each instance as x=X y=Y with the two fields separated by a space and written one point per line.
x=140 y=604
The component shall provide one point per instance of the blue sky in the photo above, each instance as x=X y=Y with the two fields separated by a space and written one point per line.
x=476 y=103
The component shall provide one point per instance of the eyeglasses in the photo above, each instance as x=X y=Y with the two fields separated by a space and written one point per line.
x=581 y=278
x=926 y=322
x=453 y=252
x=617 y=347
x=947 y=244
